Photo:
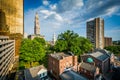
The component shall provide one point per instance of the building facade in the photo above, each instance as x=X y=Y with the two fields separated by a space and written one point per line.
x=4 y=29
x=7 y=53
x=37 y=25
x=107 y=41
x=100 y=59
x=36 y=73
x=34 y=36
x=13 y=10
x=87 y=69
x=36 y=29
x=95 y=32
x=61 y=62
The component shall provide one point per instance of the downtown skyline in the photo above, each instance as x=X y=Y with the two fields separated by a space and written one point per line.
x=57 y=16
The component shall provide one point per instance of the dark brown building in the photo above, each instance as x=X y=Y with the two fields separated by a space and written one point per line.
x=100 y=59
x=87 y=69
x=61 y=62
x=107 y=41
x=95 y=32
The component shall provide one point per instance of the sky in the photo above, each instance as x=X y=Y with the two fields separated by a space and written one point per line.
x=57 y=16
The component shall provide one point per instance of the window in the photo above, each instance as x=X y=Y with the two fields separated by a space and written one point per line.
x=43 y=74
x=40 y=75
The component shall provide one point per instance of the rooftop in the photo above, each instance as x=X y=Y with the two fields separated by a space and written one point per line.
x=71 y=75
x=60 y=55
x=88 y=66
x=100 y=55
x=32 y=73
x=4 y=37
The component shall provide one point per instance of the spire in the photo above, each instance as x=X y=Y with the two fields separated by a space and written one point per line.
x=54 y=38
x=37 y=25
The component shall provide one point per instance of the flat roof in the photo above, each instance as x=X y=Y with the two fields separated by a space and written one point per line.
x=99 y=55
x=88 y=66
x=60 y=55
x=71 y=75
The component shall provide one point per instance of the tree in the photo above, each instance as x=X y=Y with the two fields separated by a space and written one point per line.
x=113 y=49
x=32 y=50
x=70 y=41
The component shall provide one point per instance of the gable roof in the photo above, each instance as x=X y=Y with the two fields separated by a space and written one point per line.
x=32 y=73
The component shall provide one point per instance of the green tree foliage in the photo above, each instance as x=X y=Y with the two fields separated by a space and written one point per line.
x=32 y=50
x=113 y=49
x=70 y=41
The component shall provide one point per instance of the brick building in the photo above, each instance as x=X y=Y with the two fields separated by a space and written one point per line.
x=61 y=62
x=107 y=41
x=87 y=69
x=100 y=59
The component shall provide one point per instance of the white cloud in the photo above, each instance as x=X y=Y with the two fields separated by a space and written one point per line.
x=52 y=14
x=68 y=14
x=45 y=2
x=53 y=7
x=67 y=5
x=79 y=3
x=112 y=10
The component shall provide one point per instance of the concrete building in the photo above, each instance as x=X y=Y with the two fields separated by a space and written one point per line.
x=13 y=10
x=95 y=32
x=107 y=41
x=61 y=62
x=4 y=29
x=36 y=73
x=7 y=53
x=99 y=58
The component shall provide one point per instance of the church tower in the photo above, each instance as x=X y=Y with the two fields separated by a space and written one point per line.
x=37 y=25
x=54 y=39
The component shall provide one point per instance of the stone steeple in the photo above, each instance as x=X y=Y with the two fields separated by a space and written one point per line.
x=54 y=38
x=36 y=24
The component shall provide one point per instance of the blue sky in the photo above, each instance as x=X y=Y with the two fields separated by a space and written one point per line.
x=57 y=16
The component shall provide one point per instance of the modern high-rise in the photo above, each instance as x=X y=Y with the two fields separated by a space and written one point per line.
x=7 y=53
x=95 y=32
x=37 y=25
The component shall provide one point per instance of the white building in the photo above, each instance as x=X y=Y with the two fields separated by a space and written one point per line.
x=36 y=73
x=7 y=55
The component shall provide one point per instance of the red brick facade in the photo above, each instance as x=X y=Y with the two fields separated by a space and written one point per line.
x=58 y=66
